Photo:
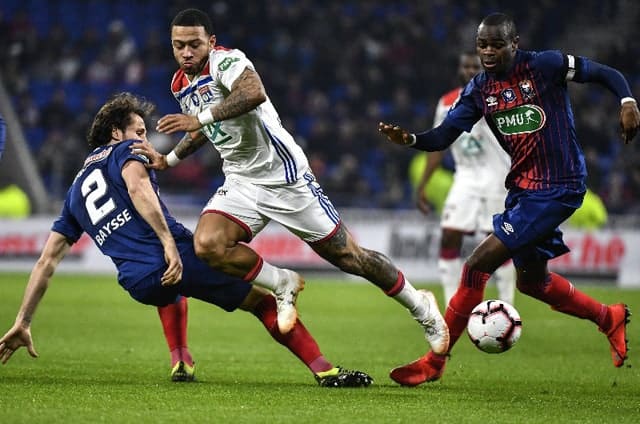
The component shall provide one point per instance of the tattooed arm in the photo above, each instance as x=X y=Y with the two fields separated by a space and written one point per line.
x=246 y=94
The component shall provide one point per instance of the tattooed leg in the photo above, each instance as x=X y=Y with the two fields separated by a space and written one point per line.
x=342 y=251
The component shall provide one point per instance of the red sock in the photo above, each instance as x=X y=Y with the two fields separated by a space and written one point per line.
x=174 y=325
x=299 y=341
x=469 y=294
x=562 y=296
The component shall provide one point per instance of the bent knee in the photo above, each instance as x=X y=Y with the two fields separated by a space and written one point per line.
x=210 y=247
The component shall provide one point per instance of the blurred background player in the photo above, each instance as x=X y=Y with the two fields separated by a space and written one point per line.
x=267 y=178
x=477 y=192
x=114 y=199
x=3 y=134
x=523 y=96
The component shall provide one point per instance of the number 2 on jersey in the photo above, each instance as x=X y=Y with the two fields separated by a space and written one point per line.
x=94 y=187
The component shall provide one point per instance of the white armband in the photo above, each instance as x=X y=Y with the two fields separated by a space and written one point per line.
x=571 y=67
x=205 y=117
x=172 y=159
x=413 y=140
x=627 y=100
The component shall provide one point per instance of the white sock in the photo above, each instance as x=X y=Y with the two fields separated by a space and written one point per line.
x=505 y=278
x=411 y=299
x=269 y=276
x=450 y=273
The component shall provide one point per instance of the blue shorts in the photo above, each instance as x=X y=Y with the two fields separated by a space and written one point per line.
x=529 y=224
x=199 y=281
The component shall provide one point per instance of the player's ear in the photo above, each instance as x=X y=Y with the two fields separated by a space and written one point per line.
x=116 y=134
x=212 y=42
x=514 y=43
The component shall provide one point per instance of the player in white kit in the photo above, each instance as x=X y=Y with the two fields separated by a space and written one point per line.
x=267 y=178
x=477 y=192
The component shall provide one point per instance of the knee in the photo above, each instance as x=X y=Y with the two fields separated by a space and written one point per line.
x=532 y=289
x=210 y=247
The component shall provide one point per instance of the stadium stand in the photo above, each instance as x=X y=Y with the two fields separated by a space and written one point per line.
x=333 y=70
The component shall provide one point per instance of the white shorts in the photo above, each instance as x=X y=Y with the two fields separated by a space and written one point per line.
x=301 y=207
x=470 y=210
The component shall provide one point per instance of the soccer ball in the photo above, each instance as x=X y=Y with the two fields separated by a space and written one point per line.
x=494 y=326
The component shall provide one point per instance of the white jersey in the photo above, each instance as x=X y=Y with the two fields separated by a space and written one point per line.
x=255 y=146
x=481 y=163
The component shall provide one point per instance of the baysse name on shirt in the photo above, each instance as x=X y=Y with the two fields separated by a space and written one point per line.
x=117 y=222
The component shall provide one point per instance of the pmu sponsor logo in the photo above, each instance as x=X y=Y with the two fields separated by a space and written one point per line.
x=226 y=63
x=523 y=119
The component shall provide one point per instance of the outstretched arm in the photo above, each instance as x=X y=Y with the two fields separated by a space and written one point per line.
x=247 y=93
x=586 y=70
x=19 y=335
x=147 y=204
x=438 y=138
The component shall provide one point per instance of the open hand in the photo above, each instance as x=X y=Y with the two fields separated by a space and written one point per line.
x=173 y=273
x=395 y=134
x=15 y=338
x=629 y=120
x=156 y=160
x=170 y=124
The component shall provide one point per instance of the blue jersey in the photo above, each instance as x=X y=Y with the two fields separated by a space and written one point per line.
x=98 y=203
x=529 y=112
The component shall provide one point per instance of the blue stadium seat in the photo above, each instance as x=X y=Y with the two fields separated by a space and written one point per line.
x=35 y=137
x=74 y=93
x=41 y=91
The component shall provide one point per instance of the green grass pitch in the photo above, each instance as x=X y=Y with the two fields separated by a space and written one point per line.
x=103 y=359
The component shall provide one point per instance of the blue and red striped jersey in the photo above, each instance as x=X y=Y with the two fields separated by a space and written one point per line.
x=529 y=111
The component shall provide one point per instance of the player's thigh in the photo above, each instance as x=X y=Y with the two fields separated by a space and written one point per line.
x=210 y=285
x=150 y=290
x=302 y=208
x=232 y=213
x=490 y=254
x=529 y=226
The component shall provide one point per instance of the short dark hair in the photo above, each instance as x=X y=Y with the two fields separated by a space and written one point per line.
x=116 y=113
x=504 y=20
x=194 y=17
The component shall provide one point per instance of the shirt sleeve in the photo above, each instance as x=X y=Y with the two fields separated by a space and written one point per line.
x=66 y=224
x=465 y=112
x=125 y=155
x=587 y=70
x=554 y=66
x=229 y=68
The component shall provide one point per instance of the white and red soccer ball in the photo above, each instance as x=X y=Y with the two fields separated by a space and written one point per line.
x=494 y=326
